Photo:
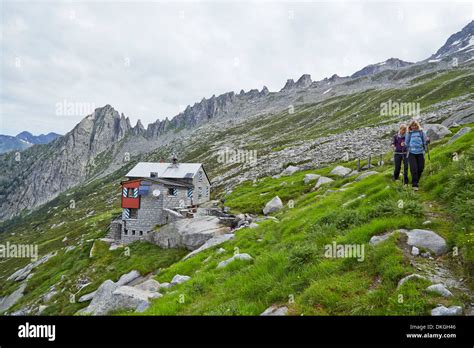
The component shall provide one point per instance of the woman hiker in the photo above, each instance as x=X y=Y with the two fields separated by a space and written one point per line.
x=416 y=141
x=400 y=154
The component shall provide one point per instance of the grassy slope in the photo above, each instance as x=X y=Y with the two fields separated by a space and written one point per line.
x=289 y=266
x=281 y=239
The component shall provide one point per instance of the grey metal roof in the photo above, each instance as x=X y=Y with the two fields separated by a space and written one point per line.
x=164 y=170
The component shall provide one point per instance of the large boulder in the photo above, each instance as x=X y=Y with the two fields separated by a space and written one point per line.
x=188 y=233
x=436 y=131
x=243 y=257
x=310 y=177
x=100 y=304
x=272 y=206
x=444 y=311
x=290 y=170
x=428 y=240
x=150 y=285
x=341 y=171
x=459 y=134
x=323 y=181
x=102 y=301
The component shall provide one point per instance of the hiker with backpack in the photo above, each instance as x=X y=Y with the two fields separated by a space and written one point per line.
x=400 y=154
x=416 y=142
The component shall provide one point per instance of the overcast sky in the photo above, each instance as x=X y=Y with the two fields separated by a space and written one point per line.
x=150 y=60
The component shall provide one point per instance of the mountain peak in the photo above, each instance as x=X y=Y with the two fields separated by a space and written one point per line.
x=391 y=63
x=460 y=45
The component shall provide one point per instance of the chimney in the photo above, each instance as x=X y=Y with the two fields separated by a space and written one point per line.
x=174 y=161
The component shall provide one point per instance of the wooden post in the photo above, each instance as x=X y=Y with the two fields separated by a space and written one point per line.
x=358 y=164
x=370 y=159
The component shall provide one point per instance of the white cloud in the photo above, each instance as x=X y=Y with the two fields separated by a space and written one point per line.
x=151 y=59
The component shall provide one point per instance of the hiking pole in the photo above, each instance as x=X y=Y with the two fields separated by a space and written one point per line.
x=428 y=150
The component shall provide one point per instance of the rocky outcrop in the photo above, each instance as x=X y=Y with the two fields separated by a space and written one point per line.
x=188 y=233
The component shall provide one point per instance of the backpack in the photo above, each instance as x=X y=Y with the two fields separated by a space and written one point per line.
x=417 y=142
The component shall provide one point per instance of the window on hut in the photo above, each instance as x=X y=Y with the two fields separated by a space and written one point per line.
x=172 y=191
x=133 y=213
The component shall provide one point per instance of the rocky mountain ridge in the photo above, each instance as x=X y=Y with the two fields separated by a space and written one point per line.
x=105 y=140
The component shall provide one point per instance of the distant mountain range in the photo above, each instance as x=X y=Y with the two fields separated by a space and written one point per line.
x=24 y=140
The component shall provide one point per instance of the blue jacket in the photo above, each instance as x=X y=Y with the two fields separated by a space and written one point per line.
x=415 y=142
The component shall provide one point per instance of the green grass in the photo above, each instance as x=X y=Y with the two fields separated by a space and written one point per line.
x=289 y=265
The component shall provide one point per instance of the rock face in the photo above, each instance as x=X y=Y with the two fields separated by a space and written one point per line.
x=188 y=233
x=428 y=240
x=444 y=311
x=310 y=177
x=272 y=206
x=341 y=171
x=244 y=257
x=275 y=311
x=436 y=131
x=439 y=289
x=68 y=162
x=459 y=134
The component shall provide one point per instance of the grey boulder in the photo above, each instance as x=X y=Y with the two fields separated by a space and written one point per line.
x=323 y=181
x=310 y=177
x=341 y=171
x=272 y=206
x=436 y=131
x=428 y=240
x=188 y=233
x=439 y=289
